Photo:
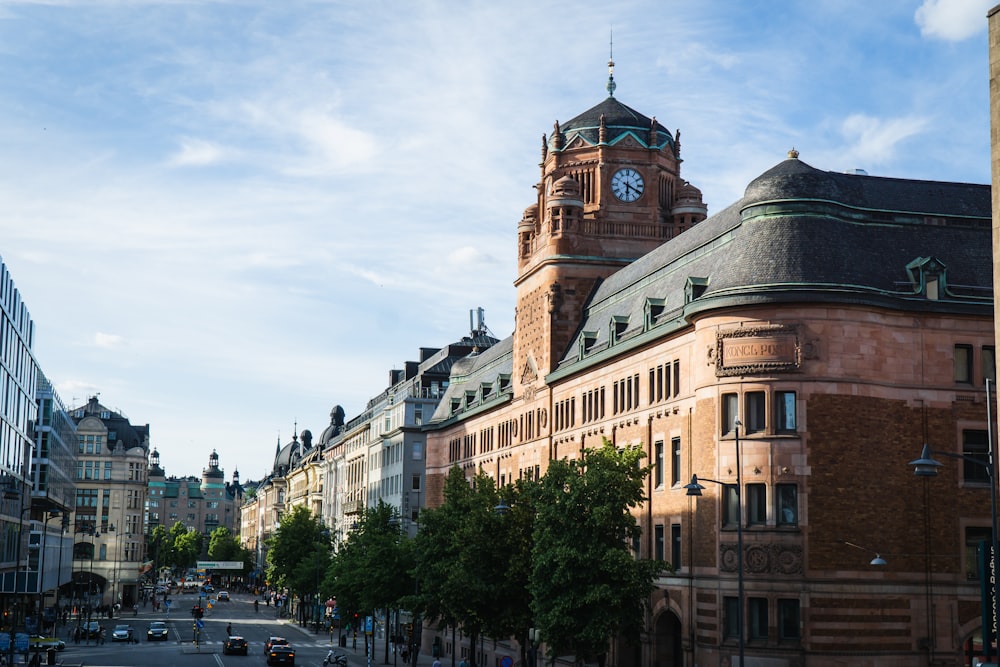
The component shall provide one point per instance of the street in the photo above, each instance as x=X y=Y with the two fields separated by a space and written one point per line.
x=180 y=648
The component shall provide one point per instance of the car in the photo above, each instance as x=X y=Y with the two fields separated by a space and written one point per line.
x=40 y=643
x=281 y=654
x=157 y=631
x=274 y=641
x=90 y=630
x=122 y=633
x=223 y=596
x=235 y=646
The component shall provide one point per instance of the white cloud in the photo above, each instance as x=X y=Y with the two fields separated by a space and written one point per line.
x=952 y=20
x=107 y=340
x=197 y=153
x=875 y=140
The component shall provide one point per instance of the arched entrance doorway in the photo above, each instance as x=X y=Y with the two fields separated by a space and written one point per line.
x=667 y=650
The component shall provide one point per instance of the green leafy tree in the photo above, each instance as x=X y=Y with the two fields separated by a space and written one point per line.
x=464 y=568
x=187 y=548
x=223 y=545
x=586 y=585
x=371 y=569
x=297 y=554
x=159 y=547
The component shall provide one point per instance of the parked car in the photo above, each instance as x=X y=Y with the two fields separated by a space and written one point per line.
x=40 y=643
x=274 y=641
x=281 y=654
x=157 y=631
x=122 y=633
x=235 y=645
x=223 y=596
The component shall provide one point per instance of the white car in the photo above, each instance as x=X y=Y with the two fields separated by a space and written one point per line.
x=121 y=633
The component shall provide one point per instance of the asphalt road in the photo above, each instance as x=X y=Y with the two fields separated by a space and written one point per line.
x=181 y=649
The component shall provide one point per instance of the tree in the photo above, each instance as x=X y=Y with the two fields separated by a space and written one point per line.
x=296 y=553
x=586 y=585
x=464 y=570
x=223 y=545
x=187 y=548
x=371 y=569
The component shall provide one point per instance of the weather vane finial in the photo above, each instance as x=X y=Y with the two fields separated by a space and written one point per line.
x=611 y=65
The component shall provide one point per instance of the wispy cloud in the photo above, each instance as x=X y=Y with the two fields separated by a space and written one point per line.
x=952 y=20
x=877 y=140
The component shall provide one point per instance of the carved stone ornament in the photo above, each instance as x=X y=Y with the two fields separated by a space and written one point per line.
x=758 y=350
x=762 y=558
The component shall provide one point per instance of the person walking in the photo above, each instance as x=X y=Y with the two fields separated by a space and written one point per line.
x=229 y=629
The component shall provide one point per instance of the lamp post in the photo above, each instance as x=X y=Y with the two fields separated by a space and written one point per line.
x=62 y=530
x=926 y=466
x=53 y=514
x=695 y=489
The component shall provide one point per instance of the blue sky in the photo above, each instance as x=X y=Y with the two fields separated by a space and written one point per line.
x=228 y=217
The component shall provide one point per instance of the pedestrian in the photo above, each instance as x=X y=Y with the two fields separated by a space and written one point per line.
x=229 y=629
x=436 y=663
x=463 y=663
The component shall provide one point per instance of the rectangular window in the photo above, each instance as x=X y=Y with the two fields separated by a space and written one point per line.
x=786 y=497
x=730 y=506
x=415 y=483
x=976 y=538
x=730 y=412
x=675 y=545
x=107 y=470
x=975 y=445
x=788 y=620
x=784 y=408
x=989 y=362
x=755 y=417
x=658 y=468
x=757 y=616
x=963 y=364
x=675 y=463
x=756 y=504
x=730 y=618
x=659 y=546
x=677 y=377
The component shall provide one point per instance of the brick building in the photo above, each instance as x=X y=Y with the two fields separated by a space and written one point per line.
x=842 y=320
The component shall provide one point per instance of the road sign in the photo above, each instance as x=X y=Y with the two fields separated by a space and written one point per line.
x=199 y=624
x=21 y=641
x=368 y=625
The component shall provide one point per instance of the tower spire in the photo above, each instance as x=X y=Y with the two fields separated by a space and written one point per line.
x=611 y=65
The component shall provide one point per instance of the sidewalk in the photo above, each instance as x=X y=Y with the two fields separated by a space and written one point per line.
x=357 y=656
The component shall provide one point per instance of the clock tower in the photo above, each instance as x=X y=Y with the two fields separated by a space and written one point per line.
x=610 y=192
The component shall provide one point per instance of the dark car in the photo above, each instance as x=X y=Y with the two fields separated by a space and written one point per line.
x=157 y=631
x=235 y=646
x=281 y=654
x=274 y=641
x=91 y=630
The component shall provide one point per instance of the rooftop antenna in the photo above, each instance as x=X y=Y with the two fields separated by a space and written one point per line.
x=611 y=65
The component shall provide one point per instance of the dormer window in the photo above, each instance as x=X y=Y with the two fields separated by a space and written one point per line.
x=928 y=277
x=587 y=340
x=652 y=310
x=617 y=327
x=694 y=288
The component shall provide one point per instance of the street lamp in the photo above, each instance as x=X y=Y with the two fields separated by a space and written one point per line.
x=53 y=514
x=926 y=466
x=695 y=489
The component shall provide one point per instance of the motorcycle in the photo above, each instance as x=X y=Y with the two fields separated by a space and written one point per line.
x=335 y=659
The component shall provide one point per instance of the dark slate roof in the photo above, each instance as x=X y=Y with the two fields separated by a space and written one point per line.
x=620 y=120
x=801 y=234
x=471 y=372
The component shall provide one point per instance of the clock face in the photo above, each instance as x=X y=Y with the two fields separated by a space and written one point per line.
x=627 y=185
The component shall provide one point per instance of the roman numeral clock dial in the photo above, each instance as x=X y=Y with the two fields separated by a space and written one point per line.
x=627 y=185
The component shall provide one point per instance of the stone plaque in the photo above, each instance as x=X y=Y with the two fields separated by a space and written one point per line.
x=763 y=350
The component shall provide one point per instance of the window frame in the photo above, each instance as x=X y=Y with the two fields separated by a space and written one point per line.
x=789 y=614
x=756 y=504
x=780 y=492
x=757 y=619
x=755 y=412
x=963 y=373
x=785 y=415
x=730 y=412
